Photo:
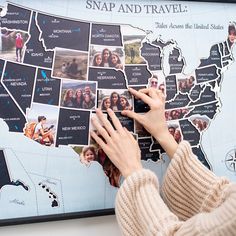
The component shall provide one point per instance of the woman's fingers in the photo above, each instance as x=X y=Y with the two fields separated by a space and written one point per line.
x=105 y=122
x=141 y=96
x=115 y=121
x=99 y=141
x=101 y=130
x=132 y=115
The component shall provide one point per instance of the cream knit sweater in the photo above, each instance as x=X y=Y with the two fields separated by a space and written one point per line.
x=197 y=201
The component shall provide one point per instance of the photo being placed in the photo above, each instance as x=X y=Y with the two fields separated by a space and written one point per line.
x=70 y=64
x=132 y=38
x=78 y=94
x=42 y=123
x=185 y=84
x=200 y=122
x=175 y=131
x=107 y=57
x=231 y=35
x=12 y=45
x=117 y=100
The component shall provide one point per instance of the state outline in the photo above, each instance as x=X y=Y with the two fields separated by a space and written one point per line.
x=10 y=94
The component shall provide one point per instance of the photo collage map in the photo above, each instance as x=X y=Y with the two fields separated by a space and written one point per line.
x=55 y=71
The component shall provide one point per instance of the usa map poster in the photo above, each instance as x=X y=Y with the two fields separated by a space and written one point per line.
x=59 y=62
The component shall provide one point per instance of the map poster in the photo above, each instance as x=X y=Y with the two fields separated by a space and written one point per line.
x=59 y=62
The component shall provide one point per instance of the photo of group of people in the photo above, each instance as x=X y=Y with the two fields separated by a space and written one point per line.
x=70 y=64
x=175 y=131
x=117 y=100
x=132 y=38
x=200 y=122
x=12 y=44
x=108 y=57
x=78 y=94
x=176 y=113
x=186 y=84
x=42 y=123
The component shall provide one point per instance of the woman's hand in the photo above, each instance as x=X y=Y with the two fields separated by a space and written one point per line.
x=119 y=144
x=154 y=120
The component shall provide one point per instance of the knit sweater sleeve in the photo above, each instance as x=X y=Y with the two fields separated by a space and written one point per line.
x=140 y=209
x=189 y=187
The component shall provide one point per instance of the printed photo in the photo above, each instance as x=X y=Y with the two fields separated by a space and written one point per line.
x=231 y=35
x=176 y=114
x=42 y=123
x=132 y=38
x=175 y=130
x=200 y=122
x=93 y=152
x=185 y=84
x=12 y=45
x=117 y=100
x=70 y=64
x=157 y=81
x=107 y=57
x=78 y=94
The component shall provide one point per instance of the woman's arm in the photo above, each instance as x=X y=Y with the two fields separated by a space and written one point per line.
x=140 y=210
x=189 y=187
x=139 y=207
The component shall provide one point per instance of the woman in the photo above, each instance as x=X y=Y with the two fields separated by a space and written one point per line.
x=106 y=57
x=97 y=60
x=79 y=98
x=106 y=103
x=88 y=102
x=115 y=61
x=125 y=103
x=19 y=45
x=68 y=98
x=196 y=201
x=115 y=101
